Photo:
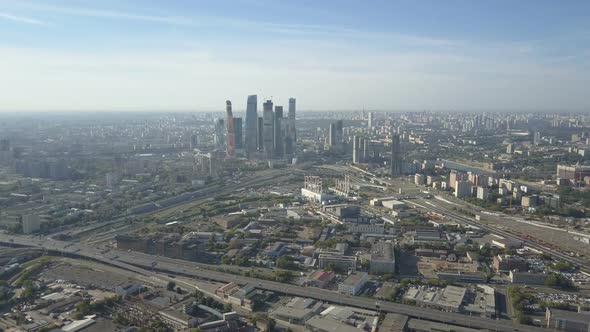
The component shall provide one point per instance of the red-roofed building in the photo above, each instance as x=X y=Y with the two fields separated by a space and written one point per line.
x=320 y=278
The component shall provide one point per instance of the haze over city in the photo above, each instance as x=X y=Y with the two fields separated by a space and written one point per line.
x=334 y=55
x=294 y=166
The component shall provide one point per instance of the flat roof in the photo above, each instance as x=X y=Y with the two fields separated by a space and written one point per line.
x=354 y=278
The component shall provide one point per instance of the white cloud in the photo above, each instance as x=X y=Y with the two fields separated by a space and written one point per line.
x=20 y=19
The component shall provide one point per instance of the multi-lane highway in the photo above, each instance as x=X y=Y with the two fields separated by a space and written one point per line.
x=149 y=265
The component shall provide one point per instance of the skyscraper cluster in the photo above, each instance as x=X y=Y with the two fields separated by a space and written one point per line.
x=271 y=135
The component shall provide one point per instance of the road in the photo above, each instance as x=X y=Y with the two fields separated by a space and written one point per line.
x=148 y=265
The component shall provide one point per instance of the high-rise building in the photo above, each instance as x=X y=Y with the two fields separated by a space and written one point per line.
x=355 y=149
x=238 y=134
x=510 y=148
x=336 y=134
x=268 y=129
x=332 y=135
x=278 y=132
x=31 y=223
x=537 y=138
x=339 y=132
x=359 y=150
x=371 y=119
x=260 y=134
x=462 y=189
x=252 y=124
x=231 y=142
x=293 y=129
x=219 y=134
x=396 y=156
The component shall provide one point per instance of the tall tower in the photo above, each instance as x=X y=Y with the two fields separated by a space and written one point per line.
x=278 y=132
x=251 y=124
x=260 y=134
x=238 y=135
x=268 y=130
x=292 y=119
x=396 y=156
x=339 y=132
x=231 y=142
x=356 y=149
x=332 y=135
x=219 y=134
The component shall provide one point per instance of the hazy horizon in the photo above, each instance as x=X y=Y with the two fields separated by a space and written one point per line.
x=144 y=56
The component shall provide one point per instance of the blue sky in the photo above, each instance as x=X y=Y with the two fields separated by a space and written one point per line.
x=331 y=55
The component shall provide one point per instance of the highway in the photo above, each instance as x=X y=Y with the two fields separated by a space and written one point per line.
x=148 y=265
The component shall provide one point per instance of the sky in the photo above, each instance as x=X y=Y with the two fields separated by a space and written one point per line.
x=192 y=55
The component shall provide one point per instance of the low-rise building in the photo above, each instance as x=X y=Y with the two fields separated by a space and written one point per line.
x=353 y=283
x=382 y=258
x=449 y=299
x=567 y=320
x=506 y=263
x=298 y=310
x=462 y=277
x=177 y=320
x=527 y=278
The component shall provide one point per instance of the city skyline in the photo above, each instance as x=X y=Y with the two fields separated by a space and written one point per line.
x=75 y=55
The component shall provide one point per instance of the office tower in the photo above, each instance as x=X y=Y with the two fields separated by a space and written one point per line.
x=510 y=148
x=293 y=129
x=194 y=141
x=238 y=135
x=359 y=154
x=370 y=124
x=219 y=134
x=231 y=142
x=268 y=129
x=396 y=156
x=462 y=189
x=278 y=132
x=339 y=132
x=252 y=124
x=365 y=150
x=537 y=138
x=332 y=134
x=289 y=138
x=31 y=223
x=260 y=134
